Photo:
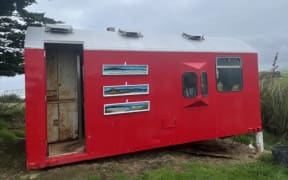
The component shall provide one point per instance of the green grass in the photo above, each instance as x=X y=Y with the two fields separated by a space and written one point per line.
x=11 y=135
x=19 y=133
x=3 y=124
x=120 y=176
x=12 y=111
x=262 y=169
x=269 y=139
x=245 y=139
x=7 y=135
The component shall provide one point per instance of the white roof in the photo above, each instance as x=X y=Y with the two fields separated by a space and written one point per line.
x=106 y=40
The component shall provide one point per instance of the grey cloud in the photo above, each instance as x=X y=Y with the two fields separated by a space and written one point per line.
x=260 y=22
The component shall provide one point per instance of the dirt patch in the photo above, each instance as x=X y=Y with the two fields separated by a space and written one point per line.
x=218 y=152
x=12 y=159
x=12 y=164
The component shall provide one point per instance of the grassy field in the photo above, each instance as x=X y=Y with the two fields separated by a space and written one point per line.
x=12 y=123
x=262 y=169
x=154 y=164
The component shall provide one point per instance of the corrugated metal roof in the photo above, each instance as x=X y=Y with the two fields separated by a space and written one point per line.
x=106 y=40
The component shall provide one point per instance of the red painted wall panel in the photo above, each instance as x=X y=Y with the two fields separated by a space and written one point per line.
x=35 y=108
x=172 y=119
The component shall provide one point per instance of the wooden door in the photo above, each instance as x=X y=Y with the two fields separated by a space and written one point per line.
x=62 y=95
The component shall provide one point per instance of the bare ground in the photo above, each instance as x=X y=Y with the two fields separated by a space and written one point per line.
x=218 y=152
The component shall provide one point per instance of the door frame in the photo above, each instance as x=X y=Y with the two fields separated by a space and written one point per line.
x=80 y=87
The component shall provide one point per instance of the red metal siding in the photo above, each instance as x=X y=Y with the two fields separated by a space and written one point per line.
x=35 y=108
x=219 y=114
x=172 y=119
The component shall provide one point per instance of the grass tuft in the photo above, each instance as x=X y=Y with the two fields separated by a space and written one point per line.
x=7 y=135
x=20 y=133
x=245 y=139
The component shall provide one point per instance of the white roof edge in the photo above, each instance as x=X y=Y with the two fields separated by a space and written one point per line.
x=104 y=40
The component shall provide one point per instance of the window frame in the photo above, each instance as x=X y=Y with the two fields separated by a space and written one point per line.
x=231 y=67
x=207 y=84
x=197 y=88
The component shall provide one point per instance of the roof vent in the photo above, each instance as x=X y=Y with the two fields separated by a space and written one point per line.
x=130 y=34
x=58 y=28
x=111 y=29
x=193 y=37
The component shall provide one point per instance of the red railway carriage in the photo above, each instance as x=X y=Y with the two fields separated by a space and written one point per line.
x=97 y=94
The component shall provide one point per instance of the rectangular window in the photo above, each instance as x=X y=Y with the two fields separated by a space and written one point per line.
x=229 y=74
x=189 y=80
x=204 y=84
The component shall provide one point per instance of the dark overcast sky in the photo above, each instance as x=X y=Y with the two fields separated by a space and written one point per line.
x=261 y=23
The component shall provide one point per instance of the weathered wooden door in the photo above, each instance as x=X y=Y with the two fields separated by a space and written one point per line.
x=62 y=94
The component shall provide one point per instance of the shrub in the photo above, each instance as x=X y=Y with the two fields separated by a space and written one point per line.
x=12 y=113
x=11 y=98
x=274 y=105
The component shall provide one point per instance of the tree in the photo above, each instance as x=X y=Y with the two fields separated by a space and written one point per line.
x=14 y=20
